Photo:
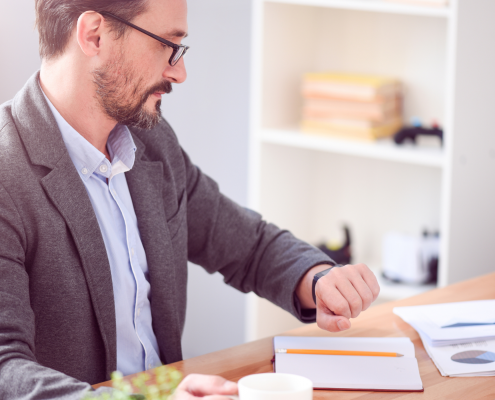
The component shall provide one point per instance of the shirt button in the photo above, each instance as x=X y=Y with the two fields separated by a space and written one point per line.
x=138 y=311
x=149 y=366
x=132 y=251
x=103 y=168
x=85 y=171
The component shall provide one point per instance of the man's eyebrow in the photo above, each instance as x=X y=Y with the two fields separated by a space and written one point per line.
x=176 y=34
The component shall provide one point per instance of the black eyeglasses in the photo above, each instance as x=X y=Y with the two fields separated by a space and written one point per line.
x=178 y=49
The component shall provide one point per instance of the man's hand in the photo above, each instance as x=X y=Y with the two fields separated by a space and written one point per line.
x=340 y=295
x=206 y=387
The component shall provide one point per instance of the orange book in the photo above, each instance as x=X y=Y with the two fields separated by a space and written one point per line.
x=350 y=86
x=331 y=108
x=351 y=129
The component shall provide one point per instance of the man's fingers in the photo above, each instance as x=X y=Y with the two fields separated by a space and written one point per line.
x=362 y=288
x=343 y=294
x=370 y=279
x=333 y=311
x=180 y=394
x=183 y=395
x=351 y=295
x=204 y=385
x=331 y=300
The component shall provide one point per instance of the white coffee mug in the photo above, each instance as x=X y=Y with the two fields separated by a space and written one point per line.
x=275 y=387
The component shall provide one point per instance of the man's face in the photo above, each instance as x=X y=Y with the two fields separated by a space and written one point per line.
x=129 y=85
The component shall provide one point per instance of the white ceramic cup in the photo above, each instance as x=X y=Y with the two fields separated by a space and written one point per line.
x=275 y=387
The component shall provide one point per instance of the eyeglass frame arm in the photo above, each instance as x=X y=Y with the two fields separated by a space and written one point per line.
x=174 y=46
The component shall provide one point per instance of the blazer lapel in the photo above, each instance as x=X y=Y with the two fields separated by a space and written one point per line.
x=64 y=187
x=146 y=184
x=44 y=145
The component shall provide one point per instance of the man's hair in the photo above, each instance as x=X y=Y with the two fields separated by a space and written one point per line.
x=55 y=20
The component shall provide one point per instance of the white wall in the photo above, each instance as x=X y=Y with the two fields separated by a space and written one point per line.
x=18 y=46
x=209 y=112
x=210 y=115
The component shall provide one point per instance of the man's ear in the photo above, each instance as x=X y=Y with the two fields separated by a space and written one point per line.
x=89 y=30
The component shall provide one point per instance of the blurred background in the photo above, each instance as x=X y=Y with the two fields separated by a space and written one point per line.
x=363 y=126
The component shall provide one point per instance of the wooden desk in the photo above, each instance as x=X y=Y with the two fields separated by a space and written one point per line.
x=379 y=321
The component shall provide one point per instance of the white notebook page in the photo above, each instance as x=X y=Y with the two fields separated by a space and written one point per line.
x=351 y=372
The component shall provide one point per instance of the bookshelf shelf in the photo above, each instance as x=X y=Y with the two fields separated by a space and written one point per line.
x=311 y=185
x=380 y=150
x=374 y=6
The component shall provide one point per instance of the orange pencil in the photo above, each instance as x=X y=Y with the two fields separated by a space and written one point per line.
x=339 y=352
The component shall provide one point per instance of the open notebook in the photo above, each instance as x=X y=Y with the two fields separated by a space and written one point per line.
x=351 y=372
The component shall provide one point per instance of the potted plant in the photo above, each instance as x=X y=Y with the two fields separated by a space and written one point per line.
x=166 y=381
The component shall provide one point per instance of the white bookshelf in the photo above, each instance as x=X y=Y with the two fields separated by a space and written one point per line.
x=373 y=5
x=311 y=185
x=381 y=150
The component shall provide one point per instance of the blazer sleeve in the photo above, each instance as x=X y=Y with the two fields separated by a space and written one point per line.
x=251 y=254
x=21 y=377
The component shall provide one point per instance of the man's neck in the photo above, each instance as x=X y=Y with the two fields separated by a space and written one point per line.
x=72 y=93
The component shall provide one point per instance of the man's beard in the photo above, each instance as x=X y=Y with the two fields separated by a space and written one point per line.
x=121 y=97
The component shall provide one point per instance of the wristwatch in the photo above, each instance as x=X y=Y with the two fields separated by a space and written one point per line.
x=319 y=275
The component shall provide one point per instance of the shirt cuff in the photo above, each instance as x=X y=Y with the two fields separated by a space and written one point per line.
x=306 y=315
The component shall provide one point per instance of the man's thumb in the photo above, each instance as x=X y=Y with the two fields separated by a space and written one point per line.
x=333 y=323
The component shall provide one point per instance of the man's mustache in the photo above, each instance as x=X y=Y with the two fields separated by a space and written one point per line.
x=165 y=87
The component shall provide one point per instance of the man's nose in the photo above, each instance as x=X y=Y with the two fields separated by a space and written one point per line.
x=177 y=73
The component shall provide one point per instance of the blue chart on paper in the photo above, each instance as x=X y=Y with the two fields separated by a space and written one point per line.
x=462 y=324
x=474 y=357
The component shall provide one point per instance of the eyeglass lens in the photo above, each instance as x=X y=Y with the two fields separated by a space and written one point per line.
x=178 y=54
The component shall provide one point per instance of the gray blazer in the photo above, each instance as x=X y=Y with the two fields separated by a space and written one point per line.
x=57 y=316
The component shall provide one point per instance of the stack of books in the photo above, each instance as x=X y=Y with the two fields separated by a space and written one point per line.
x=353 y=106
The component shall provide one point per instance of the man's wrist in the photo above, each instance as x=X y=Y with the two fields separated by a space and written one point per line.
x=304 y=291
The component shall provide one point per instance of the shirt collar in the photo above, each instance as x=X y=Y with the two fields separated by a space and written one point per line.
x=88 y=159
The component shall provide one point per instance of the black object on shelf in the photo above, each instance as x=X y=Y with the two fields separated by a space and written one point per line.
x=340 y=255
x=432 y=259
x=412 y=132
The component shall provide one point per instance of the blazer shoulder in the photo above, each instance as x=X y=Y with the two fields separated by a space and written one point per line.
x=13 y=157
x=6 y=116
x=10 y=142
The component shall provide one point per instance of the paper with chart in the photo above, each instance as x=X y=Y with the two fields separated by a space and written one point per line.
x=351 y=372
x=464 y=360
x=452 y=323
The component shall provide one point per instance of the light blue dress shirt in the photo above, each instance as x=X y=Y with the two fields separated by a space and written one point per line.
x=105 y=182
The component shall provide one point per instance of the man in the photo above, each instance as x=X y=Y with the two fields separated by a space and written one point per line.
x=100 y=210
